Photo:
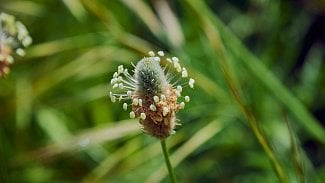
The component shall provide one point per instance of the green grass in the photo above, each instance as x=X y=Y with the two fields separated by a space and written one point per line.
x=247 y=120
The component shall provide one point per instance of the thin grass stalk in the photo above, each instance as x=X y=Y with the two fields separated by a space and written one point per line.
x=216 y=43
x=168 y=164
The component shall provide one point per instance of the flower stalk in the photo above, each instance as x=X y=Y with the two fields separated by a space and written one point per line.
x=168 y=164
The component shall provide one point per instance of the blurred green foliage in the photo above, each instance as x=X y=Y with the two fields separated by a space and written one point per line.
x=58 y=125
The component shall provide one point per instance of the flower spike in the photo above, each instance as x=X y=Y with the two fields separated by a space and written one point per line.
x=152 y=96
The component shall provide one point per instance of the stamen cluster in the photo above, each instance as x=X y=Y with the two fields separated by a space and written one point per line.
x=153 y=92
x=13 y=37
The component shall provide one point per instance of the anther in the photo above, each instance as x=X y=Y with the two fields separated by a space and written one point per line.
x=135 y=101
x=163 y=98
x=156 y=99
x=143 y=116
x=132 y=115
x=175 y=59
x=165 y=111
x=152 y=107
x=182 y=105
x=184 y=73
x=179 y=88
x=125 y=106
x=140 y=102
x=151 y=54
x=187 y=98
x=120 y=69
x=191 y=82
x=160 y=53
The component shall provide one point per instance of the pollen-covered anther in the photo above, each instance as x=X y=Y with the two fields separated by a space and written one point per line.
x=156 y=99
x=151 y=53
x=163 y=98
x=120 y=85
x=115 y=75
x=20 y=52
x=182 y=105
x=179 y=88
x=135 y=101
x=175 y=59
x=165 y=111
x=140 y=102
x=177 y=66
x=129 y=94
x=161 y=53
x=184 y=73
x=157 y=59
x=187 y=98
x=153 y=107
x=169 y=60
x=120 y=69
x=191 y=83
x=125 y=106
x=113 y=99
x=113 y=81
x=132 y=115
x=143 y=116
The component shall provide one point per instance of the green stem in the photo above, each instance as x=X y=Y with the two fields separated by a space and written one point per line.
x=169 y=166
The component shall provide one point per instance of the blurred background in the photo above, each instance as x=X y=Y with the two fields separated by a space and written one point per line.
x=259 y=71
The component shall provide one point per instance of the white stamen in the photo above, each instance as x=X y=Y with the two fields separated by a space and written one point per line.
x=169 y=60
x=113 y=81
x=157 y=59
x=153 y=107
x=184 y=73
x=20 y=52
x=120 y=69
x=115 y=75
x=132 y=115
x=115 y=85
x=178 y=94
x=179 y=88
x=163 y=98
x=187 y=98
x=165 y=111
x=182 y=105
x=175 y=59
x=151 y=54
x=191 y=82
x=143 y=116
x=161 y=53
x=177 y=66
x=129 y=94
x=10 y=59
x=125 y=106
x=156 y=99
x=121 y=86
x=140 y=102
x=113 y=99
x=135 y=101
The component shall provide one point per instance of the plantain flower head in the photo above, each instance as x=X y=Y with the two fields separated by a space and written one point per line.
x=152 y=92
x=14 y=37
